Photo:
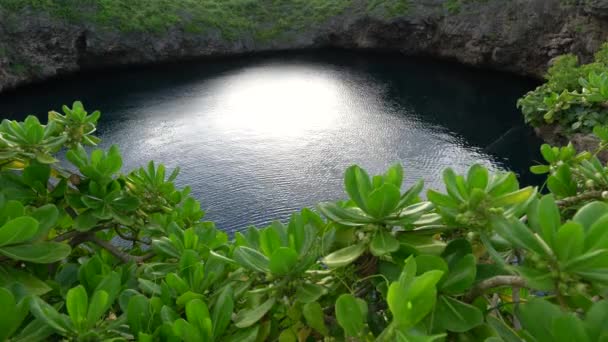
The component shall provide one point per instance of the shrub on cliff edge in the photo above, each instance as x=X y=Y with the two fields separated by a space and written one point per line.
x=575 y=97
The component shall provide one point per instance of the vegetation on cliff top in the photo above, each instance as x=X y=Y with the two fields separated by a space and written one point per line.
x=233 y=17
x=575 y=96
x=88 y=253
x=259 y=19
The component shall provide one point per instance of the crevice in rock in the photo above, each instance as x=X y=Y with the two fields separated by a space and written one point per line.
x=81 y=48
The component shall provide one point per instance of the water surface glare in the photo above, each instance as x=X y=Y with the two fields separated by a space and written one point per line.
x=260 y=137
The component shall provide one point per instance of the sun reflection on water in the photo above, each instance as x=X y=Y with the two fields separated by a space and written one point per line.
x=255 y=102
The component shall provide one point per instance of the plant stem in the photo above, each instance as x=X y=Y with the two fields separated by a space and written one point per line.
x=585 y=196
x=491 y=283
x=115 y=251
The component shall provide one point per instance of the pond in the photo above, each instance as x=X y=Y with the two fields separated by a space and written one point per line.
x=258 y=137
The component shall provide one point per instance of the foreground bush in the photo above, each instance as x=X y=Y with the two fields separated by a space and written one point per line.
x=95 y=254
x=575 y=97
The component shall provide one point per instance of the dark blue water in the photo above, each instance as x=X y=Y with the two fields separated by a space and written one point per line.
x=259 y=137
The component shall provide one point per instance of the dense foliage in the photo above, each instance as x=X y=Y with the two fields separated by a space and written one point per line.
x=89 y=253
x=575 y=97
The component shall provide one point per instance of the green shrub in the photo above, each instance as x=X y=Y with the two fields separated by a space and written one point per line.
x=575 y=97
x=389 y=8
x=453 y=6
x=96 y=254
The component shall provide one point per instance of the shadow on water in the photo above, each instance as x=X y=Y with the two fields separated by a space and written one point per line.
x=260 y=136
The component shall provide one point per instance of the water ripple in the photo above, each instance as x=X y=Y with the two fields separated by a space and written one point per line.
x=261 y=137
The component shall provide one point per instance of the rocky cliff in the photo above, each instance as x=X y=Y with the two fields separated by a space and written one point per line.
x=520 y=36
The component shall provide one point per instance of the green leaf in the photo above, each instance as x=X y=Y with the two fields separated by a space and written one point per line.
x=40 y=252
x=187 y=297
x=77 y=303
x=45 y=158
x=570 y=241
x=559 y=185
x=461 y=276
x=46 y=313
x=589 y=213
x=315 y=318
x=99 y=305
x=596 y=319
x=283 y=260
x=344 y=216
x=186 y=331
x=164 y=246
x=504 y=331
x=518 y=234
x=453 y=315
x=308 y=293
x=37 y=176
x=357 y=185
x=36 y=330
x=411 y=195
x=244 y=335
x=503 y=183
x=548 y=153
x=411 y=299
x=539 y=169
x=247 y=318
x=441 y=200
x=383 y=243
x=588 y=261
x=513 y=198
x=427 y=262
x=477 y=178
x=394 y=175
x=138 y=313
x=33 y=285
x=269 y=241
x=110 y=284
x=548 y=218
x=47 y=217
x=11 y=315
x=344 y=256
x=540 y=280
x=18 y=230
x=287 y=336
x=350 y=315
x=456 y=250
x=149 y=287
x=177 y=283
x=125 y=203
x=421 y=244
x=451 y=184
x=198 y=315
x=567 y=328
x=601 y=132
x=383 y=201
x=251 y=259
x=85 y=221
x=597 y=235
x=222 y=312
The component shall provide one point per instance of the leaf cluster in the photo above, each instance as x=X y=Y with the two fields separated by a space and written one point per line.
x=575 y=97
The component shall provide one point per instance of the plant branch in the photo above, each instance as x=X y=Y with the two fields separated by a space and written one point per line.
x=115 y=251
x=67 y=236
x=491 y=283
x=130 y=238
x=585 y=196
